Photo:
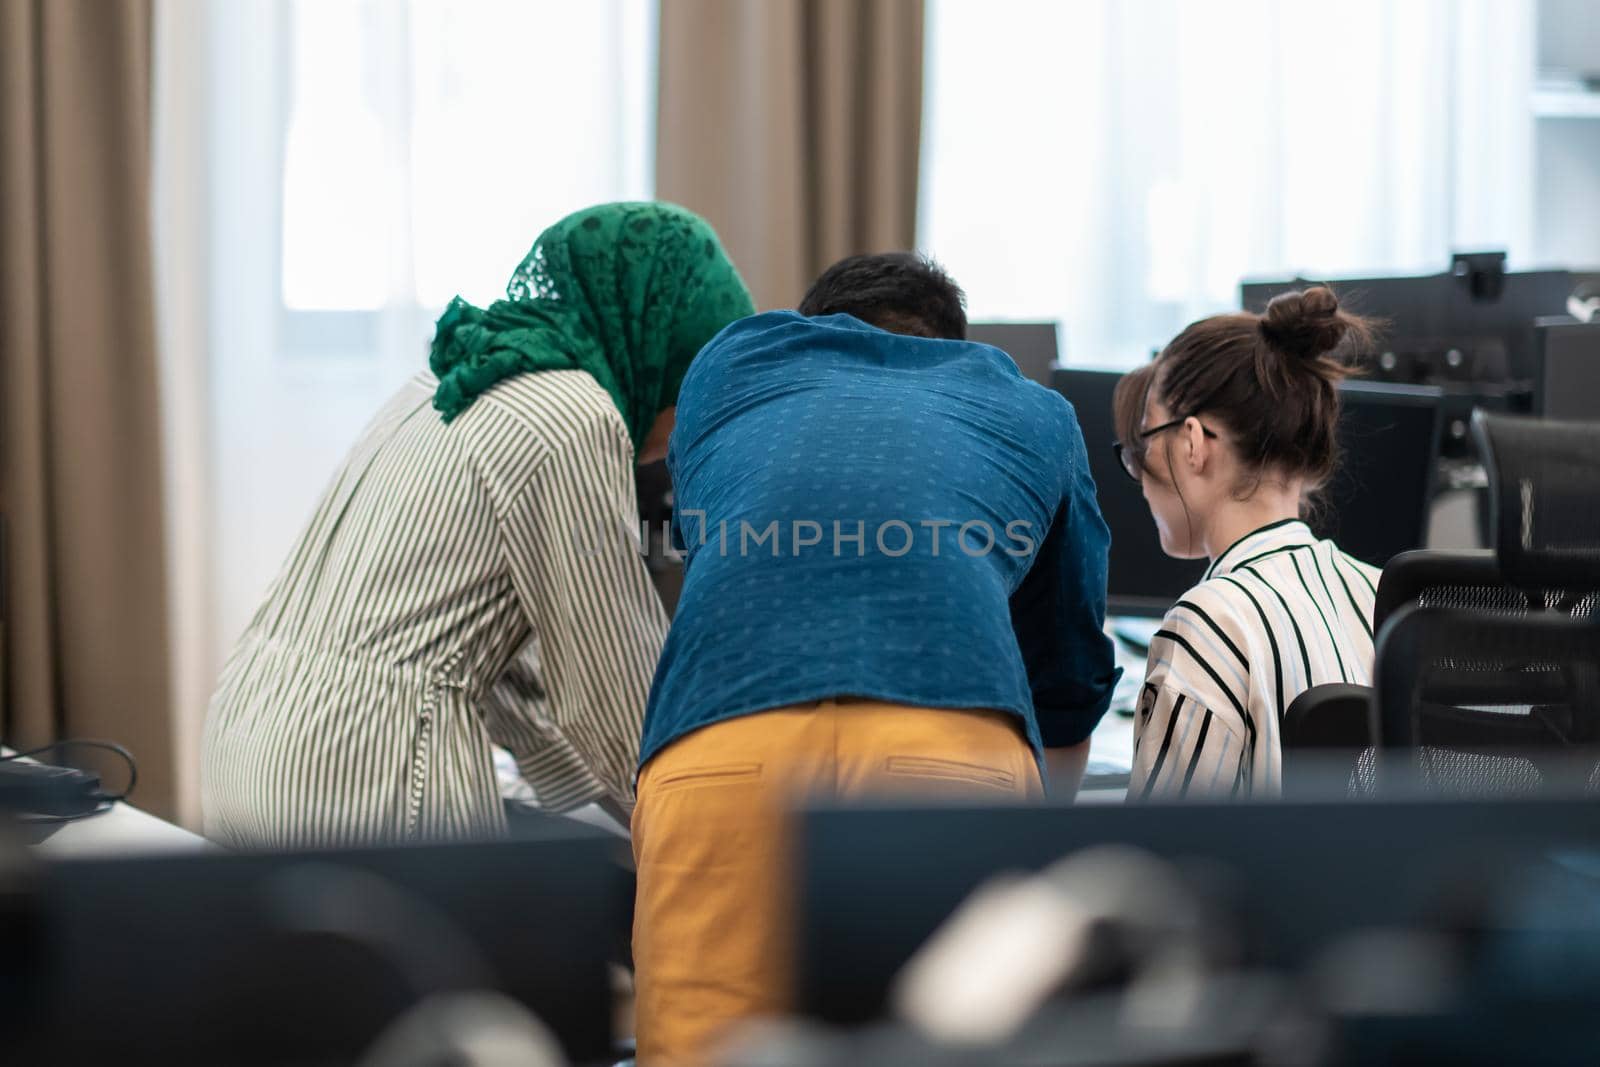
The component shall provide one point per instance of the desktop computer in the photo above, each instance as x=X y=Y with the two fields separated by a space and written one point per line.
x=1469 y=330
x=1473 y=324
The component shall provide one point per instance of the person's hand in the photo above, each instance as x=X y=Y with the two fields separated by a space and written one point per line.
x=654 y=446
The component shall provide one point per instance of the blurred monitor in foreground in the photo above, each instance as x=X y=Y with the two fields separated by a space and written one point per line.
x=1294 y=876
x=309 y=957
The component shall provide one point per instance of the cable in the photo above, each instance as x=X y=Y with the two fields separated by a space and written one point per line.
x=109 y=746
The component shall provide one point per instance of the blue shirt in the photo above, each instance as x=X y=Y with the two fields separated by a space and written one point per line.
x=873 y=515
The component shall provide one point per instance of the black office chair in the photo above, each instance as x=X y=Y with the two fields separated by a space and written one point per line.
x=1340 y=716
x=1467 y=580
x=1543 y=477
x=1487 y=694
x=1329 y=732
x=1488 y=704
x=1333 y=716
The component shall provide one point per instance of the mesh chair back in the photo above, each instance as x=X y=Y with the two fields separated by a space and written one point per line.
x=1470 y=581
x=1543 y=477
x=1490 y=704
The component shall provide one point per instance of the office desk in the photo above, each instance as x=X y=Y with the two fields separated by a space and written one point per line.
x=1111 y=744
x=120 y=830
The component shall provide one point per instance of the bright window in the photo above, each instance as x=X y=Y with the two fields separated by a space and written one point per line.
x=1120 y=165
x=428 y=142
x=343 y=168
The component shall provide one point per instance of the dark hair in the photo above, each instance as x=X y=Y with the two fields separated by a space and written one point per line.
x=1271 y=380
x=902 y=292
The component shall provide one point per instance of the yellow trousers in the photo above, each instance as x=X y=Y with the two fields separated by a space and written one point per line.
x=713 y=927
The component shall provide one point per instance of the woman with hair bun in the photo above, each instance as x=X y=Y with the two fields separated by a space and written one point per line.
x=1231 y=431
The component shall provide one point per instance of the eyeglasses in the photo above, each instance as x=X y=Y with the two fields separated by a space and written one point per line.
x=1131 y=463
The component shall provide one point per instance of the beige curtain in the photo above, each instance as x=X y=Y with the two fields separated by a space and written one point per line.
x=794 y=126
x=80 y=463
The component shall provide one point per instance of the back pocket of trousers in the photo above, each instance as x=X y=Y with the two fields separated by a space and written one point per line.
x=932 y=770
x=721 y=774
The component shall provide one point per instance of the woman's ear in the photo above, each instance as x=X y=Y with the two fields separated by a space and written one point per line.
x=1196 y=445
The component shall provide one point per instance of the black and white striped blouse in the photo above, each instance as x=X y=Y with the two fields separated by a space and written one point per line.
x=1277 y=613
x=458 y=585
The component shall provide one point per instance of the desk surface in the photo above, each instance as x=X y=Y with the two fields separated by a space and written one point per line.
x=120 y=830
x=1111 y=744
x=123 y=828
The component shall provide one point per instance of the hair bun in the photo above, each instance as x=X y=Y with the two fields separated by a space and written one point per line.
x=1304 y=324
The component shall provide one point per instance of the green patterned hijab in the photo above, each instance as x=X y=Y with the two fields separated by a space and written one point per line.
x=628 y=292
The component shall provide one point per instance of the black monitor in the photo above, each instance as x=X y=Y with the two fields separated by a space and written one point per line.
x=1031 y=345
x=876 y=883
x=1377 y=504
x=1375 y=508
x=1567 y=372
x=1470 y=325
x=1143 y=580
x=306 y=957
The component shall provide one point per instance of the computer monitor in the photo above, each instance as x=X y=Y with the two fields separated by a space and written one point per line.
x=1143 y=580
x=1442 y=327
x=1567 y=372
x=1377 y=504
x=875 y=883
x=306 y=957
x=1031 y=345
x=1375 y=507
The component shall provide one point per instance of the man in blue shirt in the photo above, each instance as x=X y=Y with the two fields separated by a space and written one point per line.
x=895 y=582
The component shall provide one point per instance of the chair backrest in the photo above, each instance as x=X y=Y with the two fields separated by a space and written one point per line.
x=1467 y=580
x=1543 y=476
x=1490 y=703
x=1488 y=664
x=1328 y=736
x=1336 y=715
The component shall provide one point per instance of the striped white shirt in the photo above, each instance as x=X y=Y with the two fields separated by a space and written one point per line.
x=1277 y=613
x=458 y=585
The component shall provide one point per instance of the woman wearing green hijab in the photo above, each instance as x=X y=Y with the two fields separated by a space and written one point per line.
x=472 y=575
